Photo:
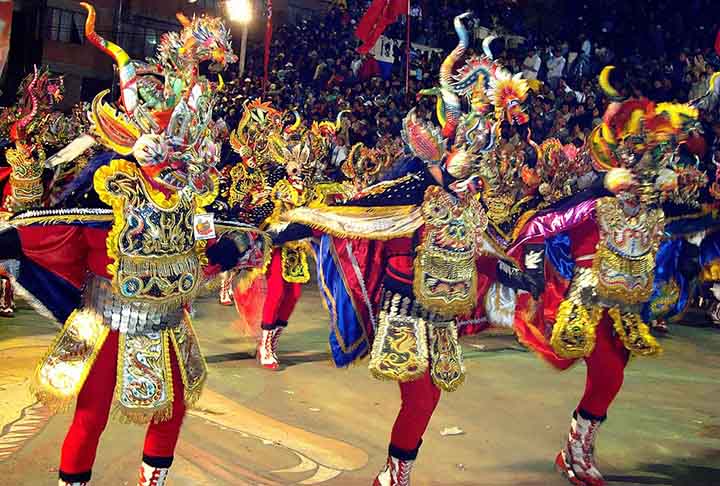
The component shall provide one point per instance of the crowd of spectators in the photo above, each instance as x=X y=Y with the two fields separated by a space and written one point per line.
x=316 y=70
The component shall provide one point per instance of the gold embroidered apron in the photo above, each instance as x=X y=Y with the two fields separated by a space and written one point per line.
x=619 y=282
x=418 y=333
x=156 y=271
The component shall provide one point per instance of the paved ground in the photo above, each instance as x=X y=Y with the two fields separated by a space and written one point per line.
x=313 y=424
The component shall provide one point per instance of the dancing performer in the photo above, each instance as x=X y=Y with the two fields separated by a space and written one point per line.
x=280 y=168
x=600 y=257
x=683 y=268
x=122 y=275
x=31 y=128
x=403 y=260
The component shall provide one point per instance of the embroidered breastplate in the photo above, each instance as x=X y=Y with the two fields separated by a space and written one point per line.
x=445 y=280
x=625 y=258
x=155 y=256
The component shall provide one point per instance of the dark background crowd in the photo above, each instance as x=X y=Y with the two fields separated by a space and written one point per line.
x=663 y=51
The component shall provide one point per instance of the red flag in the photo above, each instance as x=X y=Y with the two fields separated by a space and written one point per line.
x=717 y=43
x=268 y=40
x=380 y=14
x=6 y=12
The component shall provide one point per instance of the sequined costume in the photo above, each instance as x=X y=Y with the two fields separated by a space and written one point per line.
x=31 y=130
x=122 y=273
x=406 y=260
x=280 y=168
x=600 y=257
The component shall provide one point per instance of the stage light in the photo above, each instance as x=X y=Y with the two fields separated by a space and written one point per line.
x=239 y=11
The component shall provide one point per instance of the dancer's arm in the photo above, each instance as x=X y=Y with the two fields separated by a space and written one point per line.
x=292 y=232
x=239 y=249
x=529 y=280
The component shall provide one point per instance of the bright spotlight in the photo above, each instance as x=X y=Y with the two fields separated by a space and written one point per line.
x=239 y=10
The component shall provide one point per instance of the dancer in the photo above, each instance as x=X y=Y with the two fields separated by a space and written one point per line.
x=281 y=168
x=601 y=256
x=122 y=275
x=402 y=261
x=31 y=128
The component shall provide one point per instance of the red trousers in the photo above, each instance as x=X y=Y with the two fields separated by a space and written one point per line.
x=93 y=409
x=605 y=370
x=419 y=399
x=281 y=295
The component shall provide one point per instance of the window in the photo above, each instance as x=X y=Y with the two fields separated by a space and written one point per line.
x=141 y=41
x=64 y=25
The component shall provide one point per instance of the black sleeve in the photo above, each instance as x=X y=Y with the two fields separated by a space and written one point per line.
x=10 y=248
x=513 y=277
x=293 y=232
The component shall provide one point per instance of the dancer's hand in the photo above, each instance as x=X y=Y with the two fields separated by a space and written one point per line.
x=533 y=260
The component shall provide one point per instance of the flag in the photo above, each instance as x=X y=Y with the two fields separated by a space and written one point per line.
x=6 y=11
x=380 y=14
x=268 y=40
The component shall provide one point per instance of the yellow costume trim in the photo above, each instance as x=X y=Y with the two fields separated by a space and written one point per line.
x=61 y=219
x=667 y=299
x=645 y=265
x=191 y=393
x=521 y=222
x=103 y=115
x=447 y=368
x=133 y=171
x=573 y=335
x=294 y=262
x=90 y=339
x=374 y=223
x=202 y=200
x=324 y=190
x=634 y=333
x=400 y=349
x=711 y=272
x=143 y=416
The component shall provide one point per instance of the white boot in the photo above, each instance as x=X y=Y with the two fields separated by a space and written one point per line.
x=577 y=459
x=265 y=355
x=275 y=341
x=152 y=476
x=396 y=473
x=226 y=293
x=63 y=483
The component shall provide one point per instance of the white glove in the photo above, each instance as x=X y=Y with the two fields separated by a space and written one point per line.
x=533 y=260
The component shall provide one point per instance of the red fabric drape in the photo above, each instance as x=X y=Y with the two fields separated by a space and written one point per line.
x=380 y=14
x=717 y=43
x=268 y=40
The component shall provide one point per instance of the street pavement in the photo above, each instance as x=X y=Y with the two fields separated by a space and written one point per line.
x=313 y=424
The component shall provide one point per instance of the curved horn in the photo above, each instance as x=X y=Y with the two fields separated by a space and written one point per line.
x=604 y=81
x=486 y=46
x=450 y=98
x=128 y=87
x=713 y=90
x=296 y=124
x=182 y=18
x=446 y=69
x=338 y=119
x=17 y=131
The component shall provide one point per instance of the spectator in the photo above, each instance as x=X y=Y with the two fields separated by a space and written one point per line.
x=555 y=67
x=531 y=65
